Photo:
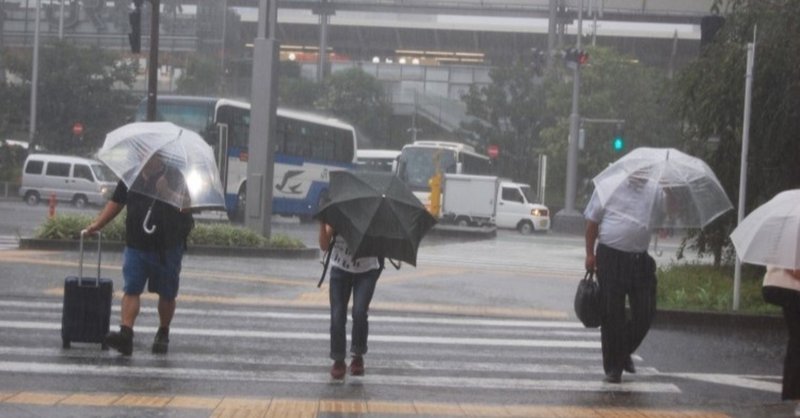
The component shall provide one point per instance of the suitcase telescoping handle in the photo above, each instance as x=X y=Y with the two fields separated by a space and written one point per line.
x=80 y=263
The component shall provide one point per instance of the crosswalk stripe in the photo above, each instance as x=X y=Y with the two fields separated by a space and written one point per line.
x=8 y=242
x=409 y=339
x=308 y=377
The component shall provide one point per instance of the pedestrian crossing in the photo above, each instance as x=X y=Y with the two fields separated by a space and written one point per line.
x=9 y=242
x=219 y=345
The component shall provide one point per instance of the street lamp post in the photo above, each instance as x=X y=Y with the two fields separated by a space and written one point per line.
x=258 y=213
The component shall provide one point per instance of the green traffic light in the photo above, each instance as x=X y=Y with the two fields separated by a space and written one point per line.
x=618 y=144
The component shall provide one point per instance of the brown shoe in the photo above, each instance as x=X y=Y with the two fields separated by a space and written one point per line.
x=357 y=366
x=338 y=370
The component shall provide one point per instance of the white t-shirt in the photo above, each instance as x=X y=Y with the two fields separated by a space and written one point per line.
x=616 y=230
x=342 y=258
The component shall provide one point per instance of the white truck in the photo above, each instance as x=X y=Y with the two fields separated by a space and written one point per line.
x=516 y=210
x=469 y=200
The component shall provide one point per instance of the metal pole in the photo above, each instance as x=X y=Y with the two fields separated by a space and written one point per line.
x=258 y=213
x=324 y=18
x=574 y=120
x=152 y=65
x=551 y=33
x=34 y=78
x=61 y=21
x=748 y=94
x=222 y=46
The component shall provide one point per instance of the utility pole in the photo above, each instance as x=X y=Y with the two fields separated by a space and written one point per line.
x=260 y=166
x=152 y=63
x=568 y=219
x=34 y=78
x=325 y=11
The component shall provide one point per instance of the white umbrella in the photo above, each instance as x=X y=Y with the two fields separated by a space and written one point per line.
x=770 y=235
x=128 y=149
x=662 y=188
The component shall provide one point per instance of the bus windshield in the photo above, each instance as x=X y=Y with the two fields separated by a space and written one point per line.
x=417 y=165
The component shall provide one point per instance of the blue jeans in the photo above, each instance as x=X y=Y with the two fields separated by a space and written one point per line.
x=362 y=286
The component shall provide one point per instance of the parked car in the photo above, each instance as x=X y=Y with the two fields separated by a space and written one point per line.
x=78 y=180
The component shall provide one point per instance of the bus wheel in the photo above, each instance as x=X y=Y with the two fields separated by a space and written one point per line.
x=241 y=204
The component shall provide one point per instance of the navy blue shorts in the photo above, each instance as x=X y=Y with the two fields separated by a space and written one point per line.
x=140 y=266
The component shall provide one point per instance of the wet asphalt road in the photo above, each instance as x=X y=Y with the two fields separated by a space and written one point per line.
x=480 y=324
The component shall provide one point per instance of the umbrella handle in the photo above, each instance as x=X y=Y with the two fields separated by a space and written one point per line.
x=147 y=229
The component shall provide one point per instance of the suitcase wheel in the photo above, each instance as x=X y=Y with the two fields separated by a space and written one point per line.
x=65 y=343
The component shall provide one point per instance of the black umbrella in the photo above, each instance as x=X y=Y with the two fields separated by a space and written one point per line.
x=377 y=215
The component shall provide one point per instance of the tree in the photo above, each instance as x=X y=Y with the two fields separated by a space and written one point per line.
x=84 y=85
x=510 y=113
x=711 y=103
x=294 y=90
x=359 y=98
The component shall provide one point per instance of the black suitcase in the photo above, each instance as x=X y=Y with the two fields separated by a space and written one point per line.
x=87 y=305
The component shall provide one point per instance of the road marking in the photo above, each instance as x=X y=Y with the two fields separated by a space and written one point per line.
x=223 y=407
x=180 y=373
x=473 y=322
x=406 y=339
x=739 y=381
x=375 y=364
x=9 y=242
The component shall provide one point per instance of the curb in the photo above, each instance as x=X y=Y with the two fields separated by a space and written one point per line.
x=666 y=319
x=52 y=244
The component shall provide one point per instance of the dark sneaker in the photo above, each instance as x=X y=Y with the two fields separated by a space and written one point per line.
x=613 y=378
x=161 y=341
x=357 y=366
x=338 y=370
x=121 y=341
x=629 y=367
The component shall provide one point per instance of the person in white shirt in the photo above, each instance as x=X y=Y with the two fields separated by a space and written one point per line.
x=616 y=248
x=348 y=276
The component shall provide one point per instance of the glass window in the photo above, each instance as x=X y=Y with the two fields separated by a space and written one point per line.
x=82 y=171
x=57 y=169
x=103 y=173
x=34 y=167
x=512 y=194
x=238 y=121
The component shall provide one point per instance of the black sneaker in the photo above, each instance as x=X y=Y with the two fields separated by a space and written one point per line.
x=161 y=341
x=629 y=367
x=121 y=341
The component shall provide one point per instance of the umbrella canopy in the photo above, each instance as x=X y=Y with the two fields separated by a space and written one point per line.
x=146 y=146
x=376 y=214
x=770 y=235
x=662 y=188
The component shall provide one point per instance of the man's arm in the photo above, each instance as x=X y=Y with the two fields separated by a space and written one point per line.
x=592 y=230
x=109 y=212
x=325 y=234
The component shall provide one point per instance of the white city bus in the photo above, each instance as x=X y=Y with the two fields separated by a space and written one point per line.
x=307 y=147
x=418 y=161
x=384 y=160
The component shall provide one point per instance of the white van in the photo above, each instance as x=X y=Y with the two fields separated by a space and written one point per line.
x=73 y=179
x=516 y=210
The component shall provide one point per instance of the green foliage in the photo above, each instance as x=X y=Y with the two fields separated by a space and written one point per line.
x=69 y=227
x=711 y=102
x=358 y=98
x=515 y=108
x=75 y=85
x=295 y=91
x=707 y=288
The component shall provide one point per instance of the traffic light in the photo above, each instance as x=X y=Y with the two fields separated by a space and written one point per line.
x=574 y=57
x=135 y=19
x=618 y=144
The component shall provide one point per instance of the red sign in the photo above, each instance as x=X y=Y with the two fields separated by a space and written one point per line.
x=77 y=129
x=493 y=151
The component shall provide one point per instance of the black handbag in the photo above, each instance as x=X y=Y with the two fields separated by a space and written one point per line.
x=587 y=301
